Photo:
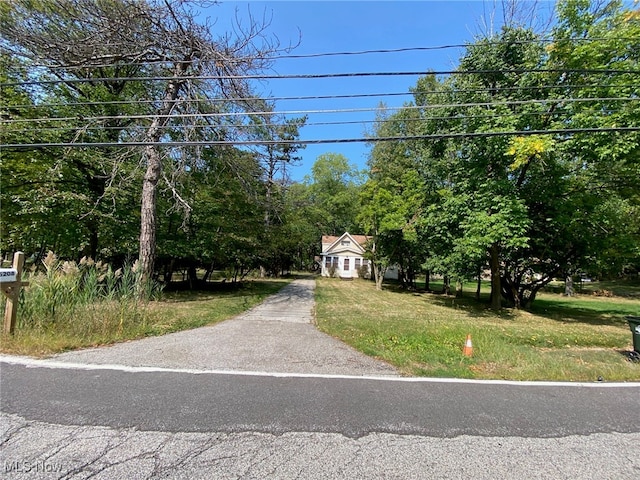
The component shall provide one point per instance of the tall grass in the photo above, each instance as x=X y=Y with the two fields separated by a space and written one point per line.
x=85 y=303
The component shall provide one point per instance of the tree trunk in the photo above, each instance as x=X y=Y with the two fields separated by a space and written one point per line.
x=427 y=280
x=412 y=278
x=479 y=283
x=569 y=291
x=192 y=274
x=207 y=274
x=496 y=298
x=458 y=288
x=517 y=301
x=168 y=271
x=93 y=240
x=148 y=217
x=526 y=301
x=446 y=285
x=378 y=274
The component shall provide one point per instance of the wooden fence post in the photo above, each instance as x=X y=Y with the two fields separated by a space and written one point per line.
x=12 y=291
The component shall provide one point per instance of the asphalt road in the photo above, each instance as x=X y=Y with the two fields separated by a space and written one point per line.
x=174 y=401
x=34 y=450
x=71 y=421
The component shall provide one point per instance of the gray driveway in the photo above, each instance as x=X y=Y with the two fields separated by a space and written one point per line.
x=277 y=336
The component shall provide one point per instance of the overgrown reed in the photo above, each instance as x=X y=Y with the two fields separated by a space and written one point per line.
x=89 y=300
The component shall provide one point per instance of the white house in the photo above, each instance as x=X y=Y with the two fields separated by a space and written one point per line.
x=346 y=254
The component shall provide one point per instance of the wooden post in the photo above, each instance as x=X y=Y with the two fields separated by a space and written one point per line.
x=12 y=291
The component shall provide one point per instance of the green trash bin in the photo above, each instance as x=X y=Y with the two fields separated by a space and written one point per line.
x=634 y=325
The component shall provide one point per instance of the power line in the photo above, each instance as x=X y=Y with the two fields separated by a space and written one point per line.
x=251 y=58
x=437 y=136
x=548 y=101
x=456 y=117
x=322 y=97
x=445 y=47
x=223 y=100
x=345 y=53
x=307 y=76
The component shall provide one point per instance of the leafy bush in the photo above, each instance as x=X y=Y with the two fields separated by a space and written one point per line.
x=333 y=271
x=363 y=271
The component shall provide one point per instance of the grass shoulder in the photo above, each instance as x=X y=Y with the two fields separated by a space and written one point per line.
x=560 y=339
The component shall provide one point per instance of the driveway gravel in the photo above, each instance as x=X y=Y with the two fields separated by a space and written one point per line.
x=278 y=335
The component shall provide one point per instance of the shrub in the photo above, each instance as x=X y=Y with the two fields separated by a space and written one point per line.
x=363 y=271
x=333 y=271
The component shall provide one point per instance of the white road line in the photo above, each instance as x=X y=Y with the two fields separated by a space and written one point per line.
x=40 y=363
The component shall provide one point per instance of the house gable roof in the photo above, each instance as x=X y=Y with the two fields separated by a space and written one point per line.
x=333 y=244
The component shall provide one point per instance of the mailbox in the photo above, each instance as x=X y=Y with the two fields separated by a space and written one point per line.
x=8 y=275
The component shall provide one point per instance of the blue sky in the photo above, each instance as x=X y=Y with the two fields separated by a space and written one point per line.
x=348 y=26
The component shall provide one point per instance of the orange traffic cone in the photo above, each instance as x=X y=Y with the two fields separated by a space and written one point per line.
x=467 y=351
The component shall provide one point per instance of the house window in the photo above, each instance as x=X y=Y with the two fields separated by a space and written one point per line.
x=346 y=264
x=335 y=262
x=327 y=262
x=345 y=243
x=357 y=263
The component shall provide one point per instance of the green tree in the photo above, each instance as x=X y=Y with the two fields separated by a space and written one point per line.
x=393 y=200
x=497 y=221
x=64 y=199
x=333 y=188
x=389 y=214
x=224 y=224
x=75 y=40
x=301 y=226
x=603 y=36
x=539 y=206
x=277 y=154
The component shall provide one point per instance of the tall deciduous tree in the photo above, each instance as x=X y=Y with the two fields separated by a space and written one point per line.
x=532 y=207
x=186 y=65
x=333 y=187
x=495 y=73
x=602 y=36
x=393 y=200
x=277 y=154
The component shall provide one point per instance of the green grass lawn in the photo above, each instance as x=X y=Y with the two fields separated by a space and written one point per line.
x=573 y=339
